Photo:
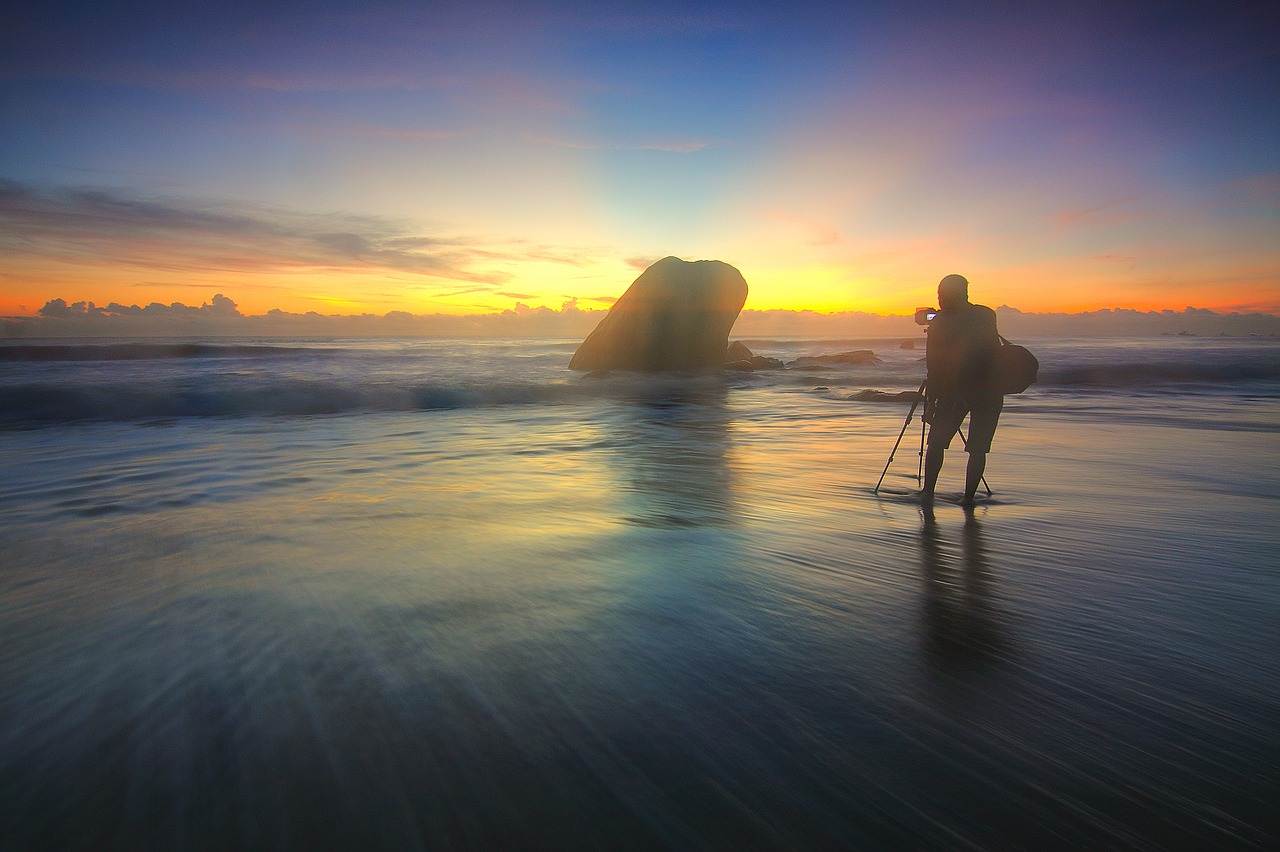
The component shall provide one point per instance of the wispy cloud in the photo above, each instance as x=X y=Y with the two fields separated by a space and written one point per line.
x=1118 y=259
x=1259 y=186
x=674 y=146
x=321 y=124
x=811 y=231
x=1109 y=212
x=94 y=226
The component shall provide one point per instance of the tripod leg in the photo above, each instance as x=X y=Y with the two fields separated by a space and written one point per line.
x=905 y=423
x=965 y=441
x=920 y=467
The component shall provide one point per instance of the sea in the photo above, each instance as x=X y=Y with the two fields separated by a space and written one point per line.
x=449 y=594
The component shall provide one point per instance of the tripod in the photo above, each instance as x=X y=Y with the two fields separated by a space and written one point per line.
x=905 y=424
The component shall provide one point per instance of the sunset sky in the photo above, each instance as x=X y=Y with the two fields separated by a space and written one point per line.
x=463 y=157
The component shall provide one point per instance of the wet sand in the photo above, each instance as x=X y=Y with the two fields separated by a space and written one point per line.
x=682 y=623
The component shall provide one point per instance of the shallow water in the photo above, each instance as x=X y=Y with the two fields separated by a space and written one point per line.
x=641 y=614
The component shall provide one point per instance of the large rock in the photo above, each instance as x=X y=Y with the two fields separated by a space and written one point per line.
x=675 y=316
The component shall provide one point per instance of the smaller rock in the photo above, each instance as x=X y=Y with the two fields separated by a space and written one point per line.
x=760 y=362
x=860 y=356
x=908 y=344
x=738 y=351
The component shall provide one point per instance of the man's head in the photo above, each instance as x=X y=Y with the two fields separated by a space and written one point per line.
x=953 y=291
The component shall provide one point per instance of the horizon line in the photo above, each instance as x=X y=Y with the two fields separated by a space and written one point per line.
x=227 y=308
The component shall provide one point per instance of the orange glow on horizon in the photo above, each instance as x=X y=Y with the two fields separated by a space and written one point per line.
x=593 y=283
x=823 y=293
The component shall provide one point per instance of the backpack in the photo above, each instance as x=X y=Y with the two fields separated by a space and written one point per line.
x=1015 y=368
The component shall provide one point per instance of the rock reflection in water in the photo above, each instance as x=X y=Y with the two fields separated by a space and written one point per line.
x=674 y=449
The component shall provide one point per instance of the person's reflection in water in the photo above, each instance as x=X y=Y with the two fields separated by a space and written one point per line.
x=960 y=620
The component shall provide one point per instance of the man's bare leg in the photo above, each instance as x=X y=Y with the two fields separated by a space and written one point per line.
x=932 y=466
x=973 y=475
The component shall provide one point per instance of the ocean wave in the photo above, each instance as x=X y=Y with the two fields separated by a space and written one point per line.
x=176 y=379
x=1239 y=373
x=148 y=351
x=1146 y=376
x=44 y=403
x=30 y=404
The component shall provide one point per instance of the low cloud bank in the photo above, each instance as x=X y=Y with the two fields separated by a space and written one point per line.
x=1130 y=323
x=220 y=317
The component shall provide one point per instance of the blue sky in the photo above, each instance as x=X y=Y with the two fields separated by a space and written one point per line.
x=463 y=157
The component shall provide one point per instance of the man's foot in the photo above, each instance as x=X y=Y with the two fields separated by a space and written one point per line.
x=967 y=501
x=926 y=497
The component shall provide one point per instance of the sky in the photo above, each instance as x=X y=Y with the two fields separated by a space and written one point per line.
x=472 y=158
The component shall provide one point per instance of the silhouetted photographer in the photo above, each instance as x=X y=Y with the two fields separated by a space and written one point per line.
x=963 y=345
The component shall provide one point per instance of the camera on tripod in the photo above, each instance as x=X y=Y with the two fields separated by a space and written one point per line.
x=924 y=316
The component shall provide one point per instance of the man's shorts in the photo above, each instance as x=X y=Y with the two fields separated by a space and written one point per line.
x=984 y=414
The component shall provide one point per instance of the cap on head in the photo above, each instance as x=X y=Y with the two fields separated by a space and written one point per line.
x=953 y=290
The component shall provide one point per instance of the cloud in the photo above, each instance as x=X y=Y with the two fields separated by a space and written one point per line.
x=1259 y=186
x=89 y=226
x=218 y=308
x=1107 y=213
x=675 y=146
x=220 y=316
x=1123 y=322
x=321 y=124
x=810 y=231
x=1124 y=260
